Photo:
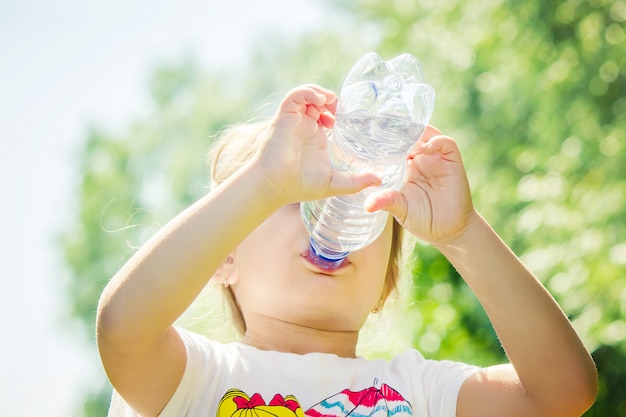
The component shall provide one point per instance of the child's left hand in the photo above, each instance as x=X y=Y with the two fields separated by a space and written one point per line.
x=434 y=203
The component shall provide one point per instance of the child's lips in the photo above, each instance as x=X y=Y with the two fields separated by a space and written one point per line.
x=320 y=270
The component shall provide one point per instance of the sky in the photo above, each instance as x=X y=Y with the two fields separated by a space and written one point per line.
x=64 y=65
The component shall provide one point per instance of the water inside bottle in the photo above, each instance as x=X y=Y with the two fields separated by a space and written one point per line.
x=366 y=139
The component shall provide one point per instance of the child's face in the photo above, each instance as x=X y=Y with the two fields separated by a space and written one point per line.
x=273 y=278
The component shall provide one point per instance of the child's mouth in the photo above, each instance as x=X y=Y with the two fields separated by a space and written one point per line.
x=321 y=267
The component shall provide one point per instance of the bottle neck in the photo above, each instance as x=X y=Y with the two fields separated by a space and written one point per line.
x=325 y=258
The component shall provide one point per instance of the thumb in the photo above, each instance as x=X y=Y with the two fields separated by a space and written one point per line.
x=343 y=183
x=389 y=200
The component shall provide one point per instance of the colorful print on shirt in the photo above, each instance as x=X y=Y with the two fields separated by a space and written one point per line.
x=370 y=402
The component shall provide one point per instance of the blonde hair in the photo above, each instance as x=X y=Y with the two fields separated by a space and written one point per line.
x=232 y=149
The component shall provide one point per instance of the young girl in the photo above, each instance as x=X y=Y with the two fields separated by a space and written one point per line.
x=301 y=323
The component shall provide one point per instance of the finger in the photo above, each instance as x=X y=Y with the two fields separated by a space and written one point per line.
x=312 y=112
x=443 y=145
x=326 y=120
x=389 y=200
x=330 y=103
x=428 y=133
x=431 y=131
x=297 y=99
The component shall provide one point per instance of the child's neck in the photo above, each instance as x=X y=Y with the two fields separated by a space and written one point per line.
x=272 y=334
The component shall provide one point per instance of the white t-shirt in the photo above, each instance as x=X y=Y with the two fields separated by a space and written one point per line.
x=234 y=380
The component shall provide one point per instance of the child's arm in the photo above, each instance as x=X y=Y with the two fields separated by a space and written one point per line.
x=551 y=372
x=142 y=353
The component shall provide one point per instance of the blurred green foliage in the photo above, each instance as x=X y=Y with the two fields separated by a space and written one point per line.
x=535 y=93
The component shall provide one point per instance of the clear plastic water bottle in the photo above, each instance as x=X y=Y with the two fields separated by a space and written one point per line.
x=382 y=111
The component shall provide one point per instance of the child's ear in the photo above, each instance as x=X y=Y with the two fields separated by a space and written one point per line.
x=226 y=273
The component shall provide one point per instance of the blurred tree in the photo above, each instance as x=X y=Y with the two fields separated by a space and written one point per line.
x=535 y=93
x=134 y=181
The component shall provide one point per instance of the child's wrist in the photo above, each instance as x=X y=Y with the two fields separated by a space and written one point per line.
x=265 y=187
x=465 y=235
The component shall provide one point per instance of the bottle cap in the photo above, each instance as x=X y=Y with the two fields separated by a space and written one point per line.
x=325 y=258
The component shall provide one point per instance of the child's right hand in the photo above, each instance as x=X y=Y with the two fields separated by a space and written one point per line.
x=294 y=156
